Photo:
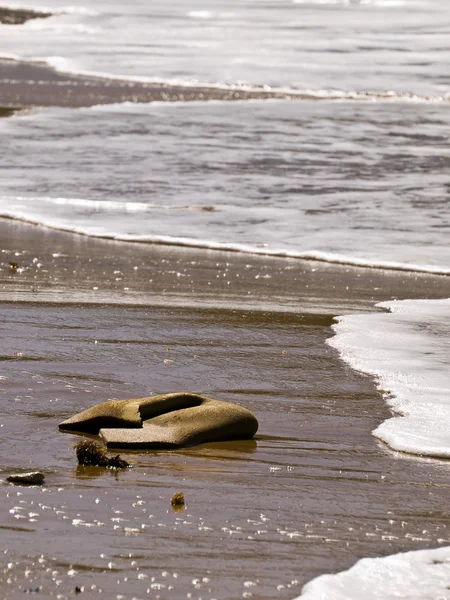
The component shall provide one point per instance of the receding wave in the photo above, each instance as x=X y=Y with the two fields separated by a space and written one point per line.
x=406 y=350
x=190 y=242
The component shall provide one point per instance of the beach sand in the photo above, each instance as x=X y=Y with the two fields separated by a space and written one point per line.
x=59 y=267
x=28 y=84
x=84 y=320
x=19 y=16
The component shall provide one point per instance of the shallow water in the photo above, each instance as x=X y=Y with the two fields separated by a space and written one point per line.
x=309 y=495
x=344 y=182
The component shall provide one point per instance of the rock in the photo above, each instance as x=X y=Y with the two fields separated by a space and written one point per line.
x=32 y=478
x=113 y=413
x=166 y=421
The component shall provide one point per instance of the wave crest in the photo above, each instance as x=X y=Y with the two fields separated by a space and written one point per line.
x=64 y=222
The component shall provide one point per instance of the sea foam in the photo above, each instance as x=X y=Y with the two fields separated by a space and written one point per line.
x=407 y=351
x=417 y=575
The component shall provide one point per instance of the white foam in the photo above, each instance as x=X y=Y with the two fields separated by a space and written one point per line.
x=417 y=575
x=78 y=10
x=389 y=3
x=380 y=3
x=25 y=6
x=97 y=205
x=64 y=222
x=200 y=14
x=54 y=24
x=407 y=350
x=69 y=10
x=59 y=63
x=320 y=2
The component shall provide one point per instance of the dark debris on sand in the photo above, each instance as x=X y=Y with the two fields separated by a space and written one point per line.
x=19 y=16
x=90 y=453
x=7 y=111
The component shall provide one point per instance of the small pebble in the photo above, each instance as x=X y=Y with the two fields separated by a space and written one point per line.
x=33 y=478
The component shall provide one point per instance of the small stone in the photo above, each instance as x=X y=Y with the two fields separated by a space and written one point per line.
x=32 y=478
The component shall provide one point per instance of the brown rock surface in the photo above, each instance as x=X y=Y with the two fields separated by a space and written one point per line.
x=165 y=421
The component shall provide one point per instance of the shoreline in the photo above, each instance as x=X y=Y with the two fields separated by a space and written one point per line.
x=312 y=494
x=430 y=271
x=28 y=84
x=59 y=266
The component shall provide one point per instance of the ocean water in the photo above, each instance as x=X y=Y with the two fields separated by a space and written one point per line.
x=346 y=45
x=358 y=176
x=344 y=182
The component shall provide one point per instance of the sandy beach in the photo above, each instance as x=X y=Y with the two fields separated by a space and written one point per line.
x=55 y=266
x=85 y=320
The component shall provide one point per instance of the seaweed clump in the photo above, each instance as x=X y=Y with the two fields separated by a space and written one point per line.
x=90 y=453
x=177 y=500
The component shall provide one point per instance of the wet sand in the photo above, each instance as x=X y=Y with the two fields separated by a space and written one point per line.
x=60 y=267
x=85 y=320
x=26 y=84
x=33 y=84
